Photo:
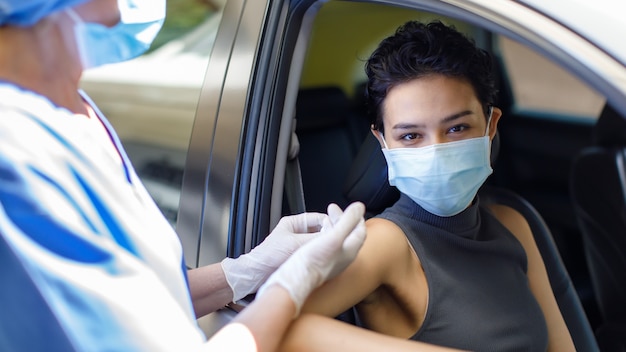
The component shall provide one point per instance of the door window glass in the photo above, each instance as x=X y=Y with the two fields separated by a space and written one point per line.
x=558 y=92
x=151 y=101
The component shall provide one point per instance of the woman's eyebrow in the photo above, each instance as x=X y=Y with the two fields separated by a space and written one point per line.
x=456 y=116
x=447 y=119
x=406 y=126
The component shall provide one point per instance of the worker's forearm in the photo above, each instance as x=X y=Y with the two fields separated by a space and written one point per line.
x=268 y=317
x=259 y=327
x=209 y=289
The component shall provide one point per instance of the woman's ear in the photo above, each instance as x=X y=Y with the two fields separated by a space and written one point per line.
x=378 y=135
x=496 y=113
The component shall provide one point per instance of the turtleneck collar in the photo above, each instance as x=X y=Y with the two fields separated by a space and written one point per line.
x=465 y=224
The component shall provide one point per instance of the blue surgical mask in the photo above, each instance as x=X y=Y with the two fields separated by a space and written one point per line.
x=140 y=22
x=442 y=178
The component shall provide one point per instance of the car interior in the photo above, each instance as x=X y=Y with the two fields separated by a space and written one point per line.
x=598 y=190
x=341 y=162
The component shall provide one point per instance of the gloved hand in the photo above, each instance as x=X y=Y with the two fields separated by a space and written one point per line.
x=246 y=273
x=324 y=257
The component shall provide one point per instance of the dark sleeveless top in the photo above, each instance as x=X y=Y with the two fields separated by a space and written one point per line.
x=479 y=296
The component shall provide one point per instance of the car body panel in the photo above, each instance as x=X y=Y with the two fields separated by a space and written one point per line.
x=600 y=21
x=206 y=174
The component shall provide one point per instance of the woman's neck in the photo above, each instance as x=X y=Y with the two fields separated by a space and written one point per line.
x=43 y=59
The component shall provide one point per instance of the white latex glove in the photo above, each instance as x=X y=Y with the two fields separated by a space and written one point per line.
x=248 y=272
x=324 y=257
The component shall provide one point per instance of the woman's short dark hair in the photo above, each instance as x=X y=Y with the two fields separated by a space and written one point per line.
x=417 y=50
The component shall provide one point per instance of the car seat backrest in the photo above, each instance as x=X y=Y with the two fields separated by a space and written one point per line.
x=329 y=132
x=598 y=190
x=562 y=286
x=610 y=129
x=367 y=182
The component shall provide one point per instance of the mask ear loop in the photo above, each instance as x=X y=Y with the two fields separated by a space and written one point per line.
x=489 y=120
x=383 y=139
x=487 y=134
x=75 y=17
x=78 y=37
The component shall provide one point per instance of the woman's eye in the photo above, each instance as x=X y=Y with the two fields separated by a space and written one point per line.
x=457 y=128
x=409 y=136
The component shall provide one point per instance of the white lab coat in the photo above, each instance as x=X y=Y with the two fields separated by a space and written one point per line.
x=94 y=243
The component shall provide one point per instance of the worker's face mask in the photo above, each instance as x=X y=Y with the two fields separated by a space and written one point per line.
x=442 y=178
x=140 y=21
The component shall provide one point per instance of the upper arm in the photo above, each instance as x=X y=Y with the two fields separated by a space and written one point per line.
x=385 y=248
x=559 y=336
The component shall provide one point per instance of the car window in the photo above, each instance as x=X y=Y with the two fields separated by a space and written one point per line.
x=352 y=44
x=540 y=86
x=330 y=112
x=151 y=101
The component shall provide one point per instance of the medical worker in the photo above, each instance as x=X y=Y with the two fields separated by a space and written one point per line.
x=88 y=263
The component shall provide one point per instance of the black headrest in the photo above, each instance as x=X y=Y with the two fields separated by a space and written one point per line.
x=367 y=179
x=321 y=107
x=610 y=130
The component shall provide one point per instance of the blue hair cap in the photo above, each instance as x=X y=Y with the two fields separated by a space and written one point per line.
x=25 y=13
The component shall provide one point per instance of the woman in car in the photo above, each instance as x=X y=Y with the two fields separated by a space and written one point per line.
x=438 y=266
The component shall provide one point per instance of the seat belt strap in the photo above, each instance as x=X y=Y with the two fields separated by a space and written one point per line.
x=293 y=177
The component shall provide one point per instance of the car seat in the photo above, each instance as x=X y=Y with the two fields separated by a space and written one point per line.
x=329 y=133
x=598 y=189
x=367 y=182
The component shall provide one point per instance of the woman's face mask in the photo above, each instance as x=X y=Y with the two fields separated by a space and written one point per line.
x=442 y=178
x=140 y=22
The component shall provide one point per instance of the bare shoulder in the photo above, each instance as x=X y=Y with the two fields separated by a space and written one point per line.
x=374 y=266
x=385 y=231
x=514 y=222
x=382 y=225
x=390 y=242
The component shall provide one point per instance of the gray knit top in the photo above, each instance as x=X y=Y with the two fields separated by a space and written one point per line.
x=479 y=296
